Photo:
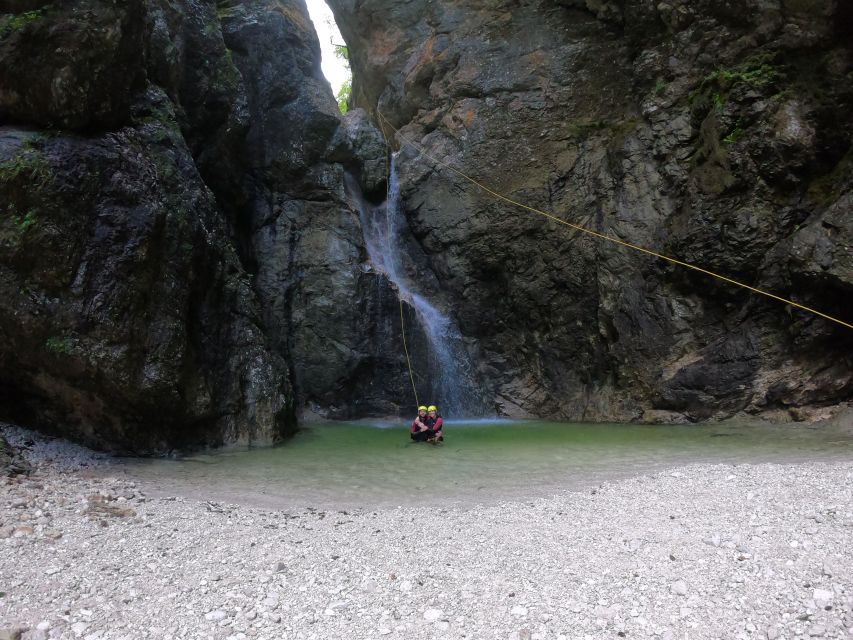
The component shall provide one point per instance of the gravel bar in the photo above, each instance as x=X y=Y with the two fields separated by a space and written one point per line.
x=746 y=551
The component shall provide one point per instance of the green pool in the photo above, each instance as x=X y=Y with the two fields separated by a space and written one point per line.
x=346 y=465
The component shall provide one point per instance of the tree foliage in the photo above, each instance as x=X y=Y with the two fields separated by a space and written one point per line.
x=344 y=96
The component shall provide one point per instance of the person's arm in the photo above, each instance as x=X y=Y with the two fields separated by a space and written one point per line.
x=437 y=426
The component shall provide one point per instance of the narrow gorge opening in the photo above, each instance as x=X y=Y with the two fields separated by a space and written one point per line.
x=334 y=52
x=442 y=371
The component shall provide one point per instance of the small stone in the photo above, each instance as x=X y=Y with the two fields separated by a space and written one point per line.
x=604 y=613
x=679 y=588
x=772 y=632
x=79 y=628
x=817 y=630
x=44 y=625
x=822 y=597
x=14 y=633
x=518 y=611
x=20 y=532
x=431 y=615
x=384 y=631
x=216 y=615
x=337 y=605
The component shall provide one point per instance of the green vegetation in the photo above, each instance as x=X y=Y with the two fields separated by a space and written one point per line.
x=22 y=223
x=713 y=92
x=58 y=345
x=735 y=134
x=27 y=163
x=15 y=21
x=344 y=96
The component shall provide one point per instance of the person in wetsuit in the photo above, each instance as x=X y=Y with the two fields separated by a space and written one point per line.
x=435 y=423
x=419 y=431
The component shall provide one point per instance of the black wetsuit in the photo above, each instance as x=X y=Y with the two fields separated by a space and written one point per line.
x=433 y=427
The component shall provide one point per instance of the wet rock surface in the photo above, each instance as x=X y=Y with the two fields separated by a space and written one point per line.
x=705 y=551
x=716 y=133
x=183 y=261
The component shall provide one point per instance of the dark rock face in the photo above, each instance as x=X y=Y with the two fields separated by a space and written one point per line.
x=181 y=263
x=717 y=133
x=300 y=234
x=127 y=318
x=72 y=66
x=182 y=258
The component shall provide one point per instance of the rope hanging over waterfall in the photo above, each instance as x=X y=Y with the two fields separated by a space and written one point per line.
x=400 y=300
x=499 y=196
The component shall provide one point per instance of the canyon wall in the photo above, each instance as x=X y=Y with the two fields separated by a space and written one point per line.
x=182 y=259
x=715 y=132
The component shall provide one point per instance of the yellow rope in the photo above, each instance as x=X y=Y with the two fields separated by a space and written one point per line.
x=402 y=320
x=406 y=349
x=603 y=236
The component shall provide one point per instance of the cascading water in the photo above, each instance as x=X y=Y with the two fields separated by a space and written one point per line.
x=450 y=380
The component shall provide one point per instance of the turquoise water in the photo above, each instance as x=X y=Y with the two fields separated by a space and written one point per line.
x=346 y=465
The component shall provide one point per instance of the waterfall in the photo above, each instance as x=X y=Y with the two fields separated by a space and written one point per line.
x=448 y=374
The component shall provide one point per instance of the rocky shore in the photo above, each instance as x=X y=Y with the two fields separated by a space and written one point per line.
x=700 y=552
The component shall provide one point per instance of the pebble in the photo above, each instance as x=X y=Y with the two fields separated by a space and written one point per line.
x=216 y=615
x=679 y=588
x=431 y=615
x=179 y=561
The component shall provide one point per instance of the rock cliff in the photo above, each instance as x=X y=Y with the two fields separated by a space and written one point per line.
x=183 y=256
x=715 y=132
x=127 y=318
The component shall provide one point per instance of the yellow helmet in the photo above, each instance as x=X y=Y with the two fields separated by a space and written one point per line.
x=432 y=407
x=422 y=408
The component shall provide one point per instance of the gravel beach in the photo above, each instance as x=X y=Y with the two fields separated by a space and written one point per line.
x=720 y=551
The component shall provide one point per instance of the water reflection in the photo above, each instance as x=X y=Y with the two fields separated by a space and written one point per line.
x=362 y=464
